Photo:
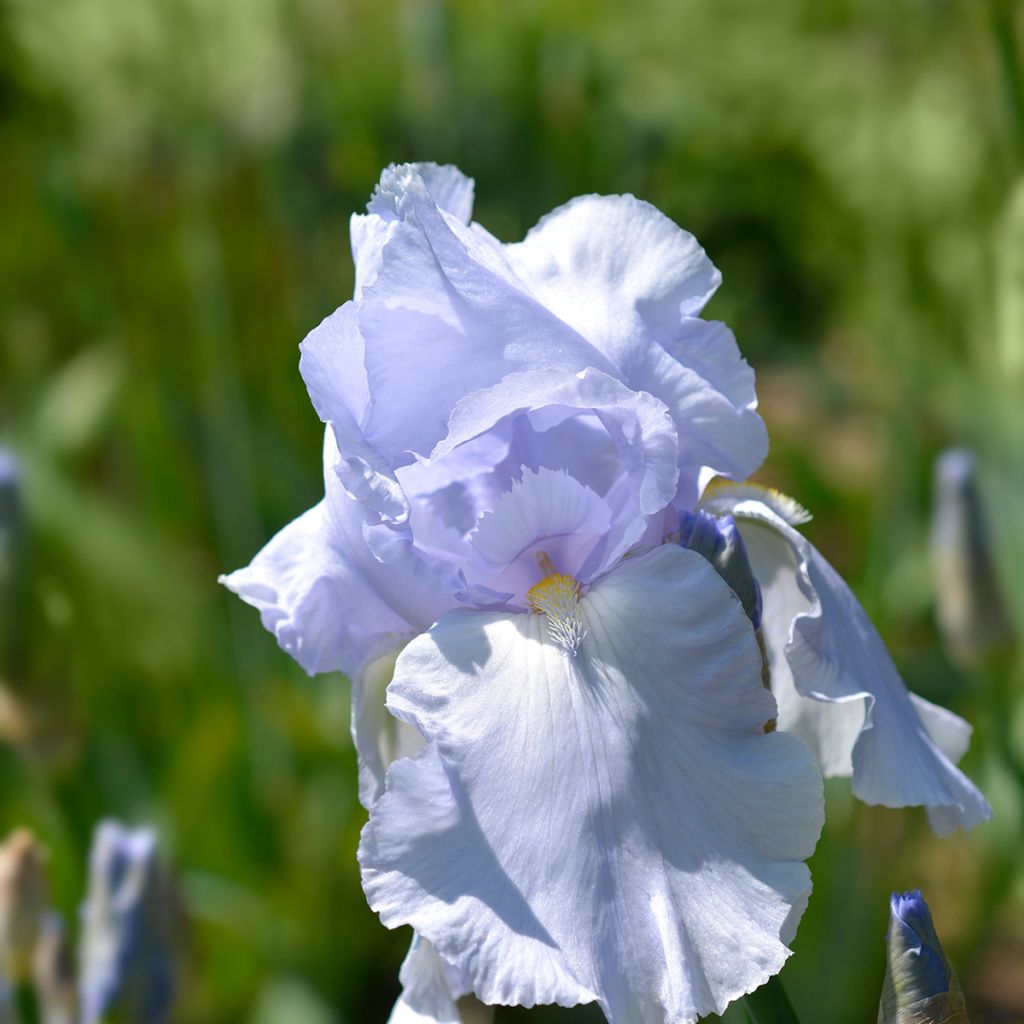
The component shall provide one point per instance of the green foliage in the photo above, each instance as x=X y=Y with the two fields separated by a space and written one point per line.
x=177 y=177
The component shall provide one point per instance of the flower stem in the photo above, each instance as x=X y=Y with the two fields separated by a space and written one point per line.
x=770 y=1005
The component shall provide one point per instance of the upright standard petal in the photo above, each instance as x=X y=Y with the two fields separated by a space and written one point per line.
x=544 y=511
x=606 y=264
x=640 y=423
x=447 y=186
x=710 y=348
x=612 y=826
x=631 y=281
x=838 y=688
x=332 y=365
x=447 y=308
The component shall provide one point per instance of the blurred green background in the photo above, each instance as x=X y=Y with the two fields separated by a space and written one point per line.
x=175 y=180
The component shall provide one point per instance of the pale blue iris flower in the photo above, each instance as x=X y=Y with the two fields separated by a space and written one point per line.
x=572 y=793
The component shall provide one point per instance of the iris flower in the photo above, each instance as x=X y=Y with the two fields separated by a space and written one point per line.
x=576 y=791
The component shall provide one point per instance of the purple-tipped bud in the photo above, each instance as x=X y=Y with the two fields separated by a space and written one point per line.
x=919 y=986
x=718 y=539
x=127 y=925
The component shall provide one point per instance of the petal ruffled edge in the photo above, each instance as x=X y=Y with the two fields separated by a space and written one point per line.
x=427 y=996
x=605 y=263
x=631 y=281
x=644 y=422
x=332 y=366
x=448 y=187
x=299 y=584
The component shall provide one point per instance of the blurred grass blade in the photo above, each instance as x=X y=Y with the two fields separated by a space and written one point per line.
x=1008 y=50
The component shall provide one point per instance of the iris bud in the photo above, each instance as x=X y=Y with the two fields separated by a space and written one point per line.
x=127 y=924
x=718 y=539
x=971 y=614
x=919 y=986
x=24 y=895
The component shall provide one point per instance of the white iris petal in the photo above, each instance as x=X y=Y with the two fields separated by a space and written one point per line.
x=613 y=827
x=427 y=988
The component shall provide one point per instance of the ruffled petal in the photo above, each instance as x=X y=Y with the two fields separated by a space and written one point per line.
x=449 y=189
x=304 y=588
x=838 y=688
x=631 y=281
x=715 y=436
x=445 y=307
x=610 y=264
x=649 y=442
x=545 y=511
x=427 y=996
x=545 y=503
x=709 y=348
x=328 y=601
x=331 y=364
x=612 y=826
x=829 y=728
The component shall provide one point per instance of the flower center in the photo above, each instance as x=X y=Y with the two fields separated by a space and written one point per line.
x=558 y=598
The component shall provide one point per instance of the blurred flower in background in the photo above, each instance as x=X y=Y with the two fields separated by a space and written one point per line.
x=128 y=918
x=126 y=967
x=967 y=591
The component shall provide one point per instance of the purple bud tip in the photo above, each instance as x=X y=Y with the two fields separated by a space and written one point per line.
x=917 y=967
